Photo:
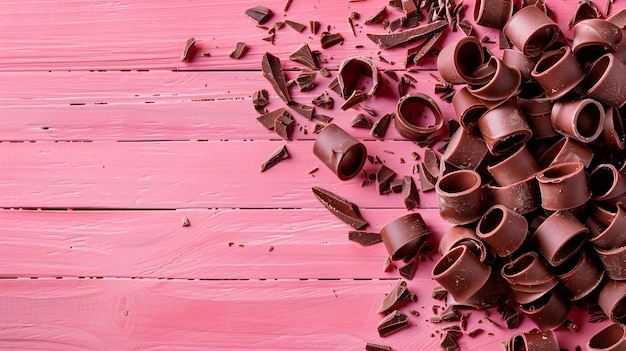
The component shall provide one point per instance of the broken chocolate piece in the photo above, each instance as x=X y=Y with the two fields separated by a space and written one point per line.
x=364 y=238
x=510 y=316
x=370 y=111
x=334 y=86
x=239 y=51
x=396 y=298
x=269 y=119
x=379 y=129
x=408 y=271
x=450 y=338
x=357 y=97
x=467 y=28
x=416 y=54
x=273 y=72
x=396 y=185
x=388 y=265
x=260 y=99
x=410 y=196
x=259 y=14
x=340 y=207
x=392 y=74
x=185 y=222
x=427 y=180
x=586 y=9
x=376 y=347
x=305 y=110
x=283 y=125
x=384 y=175
x=439 y=293
x=361 y=121
x=393 y=322
x=386 y=41
x=306 y=80
x=299 y=27
x=324 y=72
x=315 y=26
x=377 y=17
x=275 y=158
x=318 y=128
x=305 y=56
x=450 y=314
x=323 y=100
x=474 y=333
x=351 y=26
x=188 y=45
x=330 y=39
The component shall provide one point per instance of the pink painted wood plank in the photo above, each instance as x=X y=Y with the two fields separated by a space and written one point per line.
x=174 y=175
x=219 y=244
x=72 y=314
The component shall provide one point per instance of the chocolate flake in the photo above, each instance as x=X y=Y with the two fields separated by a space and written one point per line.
x=299 y=27
x=275 y=158
x=260 y=99
x=259 y=14
x=313 y=170
x=450 y=314
x=340 y=207
x=408 y=271
x=283 y=125
x=318 y=128
x=474 y=333
x=414 y=312
x=273 y=72
x=396 y=24
x=351 y=26
x=324 y=72
x=323 y=100
x=315 y=26
x=494 y=323
x=188 y=45
x=384 y=175
x=386 y=41
x=377 y=17
x=503 y=41
x=361 y=121
x=278 y=25
x=268 y=119
x=306 y=80
x=370 y=111
x=450 y=338
x=185 y=222
x=393 y=322
x=388 y=265
x=417 y=54
x=466 y=28
x=379 y=129
x=364 y=238
x=396 y=298
x=510 y=316
x=410 y=196
x=330 y=39
x=287 y=4
x=376 y=347
x=439 y=293
x=239 y=51
x=392 y=74
x=396 y=185
x=334 y=86
x=357 y=97
x=304 y=110
x=270 y=38
x=305 y=56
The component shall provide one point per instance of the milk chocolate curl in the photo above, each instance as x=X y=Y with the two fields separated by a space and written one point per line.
x=468 y=108
x=612 y=300
x=493 y=13
x=580 y=276
x=581 y=120
x=460 y=196
x=523 y=63
x=606 y=183
x=566 y=150
x=613 y=134
x=522 y=197
x=465 y=150
x=503 y=229
x=340 y=151
x=502 y=84
x=518 y=166
x=417 y=116
x=537 y=108
x=534 y=341
x=559 y=237
x=352 y=70
x=563 y=186
x=548 y=312
x=457 y=62
x=404 y=236
x=611 y=338
x=463 y=236
x=529 y=273
x=604 y=80
x=607 y=233
x=461 y=273
x=558 y=72
x=504 y=128
x=596 y=35
x=531 y=30
x=613 y=261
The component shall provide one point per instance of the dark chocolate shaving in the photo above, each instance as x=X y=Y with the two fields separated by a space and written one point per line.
x=474 y=333
x=305 y=56
x=388 y=265
x=379 y=129
x=304 y=110
x=287 y=4
x=260 y=99
x=364 y=238
x=340 y=207
x=188 y=45
x=273 y=72
x=386 y=41
x=351 y=26
x=268 y=119
x=330 y=39
x=399 y=296
x=503 y=42
x=410 y=196
x=318 y=128
x=377 y=17
x=431 y=162
x=323 y=100
x=392 y=74
x=450 y=338
x=239 y=51
x=283 y=125
x=427 y=181
x=417 y=54
x=259 y=14
x=299 y=27
x=450 y=314
x=275 y=158
x=396 y=24
x=384 y=175
x=376 y=347
x=361 y=121
x=392 y=323
x=334 y=86
x=370 y=111
x=356 y=98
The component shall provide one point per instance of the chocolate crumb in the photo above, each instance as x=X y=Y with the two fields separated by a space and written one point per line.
x=299 y=27
x=330 y=39
x=435 y=309
x=259 y=14
x=206 y=54
x=313 y=170
x=450 y=314
x=494 y=323
x=239 y=51
x=323 y=100
x=578 y=348
x=434 y=319
x=270 y=249
x=597 y=317
x=439 y=293
x=315 y=26
x=415 y=155
x=364 y=238
x=230 y=244
x=306 y=80
x=188 y=45
x=185 y=222
x=342 y=208
x=392 y=74
x=376 y=347
x=379 y=128
x=474 y=333
x=414 y=312
x=275 y=158
x=351 y=26
x=392 y=323
x=503 y=41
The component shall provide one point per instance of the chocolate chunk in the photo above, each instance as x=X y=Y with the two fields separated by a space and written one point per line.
x=269 y=119
x=330 y=39
x=384 y=175
x=393 y=322
x=377 y=17
x=239 y=51
x=315 y=26
x=379 y=129
x=299 y=27
x=386 y=41
x=273 y=72
x=410 y=196
x=275 y=158
x=186 y=223
x=474 y=333
x=340 y=207
x=439 y=293
x=357 y=97
x=396 y=185
x=361 y=121
x=431 y=162
x=408 y=270
x=188 y=45
x=427 y=181
x=364 y=238
x=334 y=86
x=416 y=54
x=467 y=28
x=283 y=125
x=324 y=72
x=376 y=347
x=260 y=99
x=396 y=298
x=259 y=14
x=450 y=338
x=318 y=128
x=510 y=316
x=388 y=265
x=306 y=80
x=396 y=24
x=323 y=100
x=305 y=110
x=450 y=314
x=351 y=26
x=305 y=56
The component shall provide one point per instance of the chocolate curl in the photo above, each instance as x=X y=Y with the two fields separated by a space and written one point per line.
x=534 y=341
x=503 y=229
x=548 y=312
x=581 y=276
x=340 y=151
x=531 y=31
x=463 y=236
x=566 y=150
x=611 y=338
x=595 y=34
x=604 y=80
x=563 y=186
x=457 y=62
x=465 y=150
x=558 y=72
x=518 y=166
x=501 y=85
x=607 y=230
x=606 y=183
x=405 y=236
x=461 y=273
x=613 y=135
x=613 y=261
x=460 y=196
x=612 y=300
x=350 y=72
x=559 y=237
x=522 y=197
x=468 y=108
x=411 y=121
x=504 y=128
x=581 y=120
x=528 y=274
x=493 y=13
x=524 y=64
x=537 y=108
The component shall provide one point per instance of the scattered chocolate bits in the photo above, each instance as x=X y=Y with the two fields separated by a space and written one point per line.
x=340 y=207
x=410 y=196
x=260 y=99
x=392 y=323
x=408 y=270
x=275 y=158
x=379 y=128
x=399 y=296
x=268 y=119
x=259 y=14
x=239 y=51
x=306 y=80
x=305 y=56
x=384 y=175
x=283 y=125
x=378 y=17
x=387 y=41
x=364 y=238
x=273 y=72
x=188 y=45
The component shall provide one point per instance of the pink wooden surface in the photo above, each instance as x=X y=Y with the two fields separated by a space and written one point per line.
x=130 y=153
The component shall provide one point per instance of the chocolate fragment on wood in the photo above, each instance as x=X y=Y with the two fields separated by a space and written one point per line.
x=377 y=17
x=239 y=51
x=361 y=121
x=340 y=207
x=351 y=26
x=364 y=238
x=268 y=119
x=185 y=222
x=283 y=125
x=392 y=74
x=396 y=185
x=450 y=337
x=188 y=45
x=304 y=110
x=379 y=129
x=392 y=323
x=306 y=80
x=388 y=265
x=386 y=41
x=376 y=347
x=323 y=100
x=467 y=28
x=315 y=26
x=396 y=298
x=334 y=86
x=408 y=270
x=260 y=99
x=439 y=293
x=384 y=175
x=417 y=54
x=510 y=316
x=259 y=14
x=305 y=56
x=273 y=72
x=318 y=128
x=450 y=314
x=586 y=9
x=287 y=4
x=298 y=27
x=370 y=111
x=410 y=196
x=474 y=333
x=275 y=158
x=357 y=97
x=330 y=39
x=324 y=72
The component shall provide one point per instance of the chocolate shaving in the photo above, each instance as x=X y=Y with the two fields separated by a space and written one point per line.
x=416 y=54
x=357 y=97
x=377 y=17
x=299 y=27
x=510 y=316
x=323 y=100
x=396 y=185
x=330 y=39
x=260 y=99
x=396 y=298
x=268 y=119
x=318 y=128
x=392 y=323
x=503 y=42
x=404 y=85
x=283 y=125
x=379 y=129
x=376 y=347
x=239 y=51
x=334 y=86
x=414 y=312
x=324 y=72
x=439 y=293
x=364 y=238
x=306 y=80
x=188 y=45
x=410 y=196
x=305 y=56
x=287 y=4
x=340 y=207
x=273 y=72
x=322 y=118
x=586 y=9
x=450 y=338
x=431 y=162
x=392 y=74
x=494 y=323
x=386 y=41
x=370 y=111
x=427 y=181
x=388 y=265
x=467 y=28
x=360 y=121
x=304 y=110
x=384 y=175
x=408 y=271
x=450 y=314
x=259 y=14
x=275 y=158
x=474 y=333
x=351 y=26
x=315 y=26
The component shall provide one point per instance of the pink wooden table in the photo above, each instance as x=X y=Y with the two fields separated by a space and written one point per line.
x=109 y=140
